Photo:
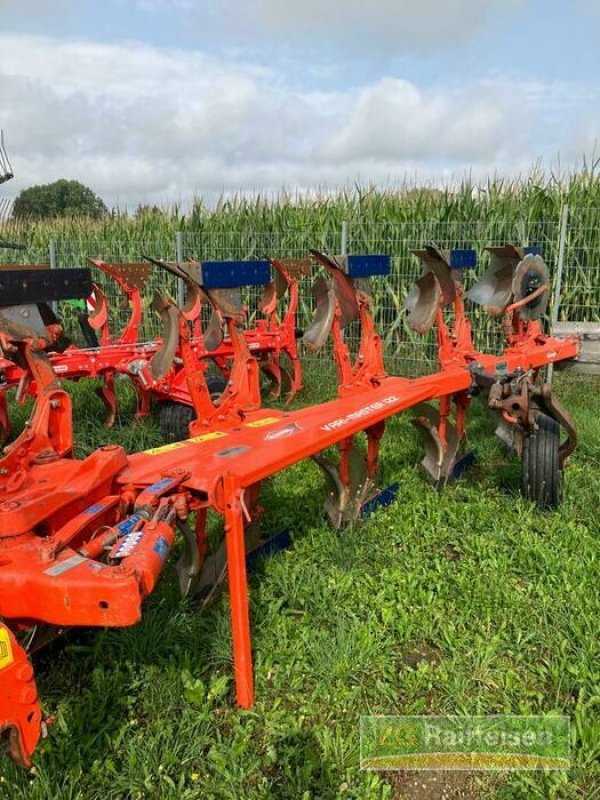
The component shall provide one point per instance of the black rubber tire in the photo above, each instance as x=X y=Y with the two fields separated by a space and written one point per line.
x=175 y=418
x=540 y=464
x=216 y=386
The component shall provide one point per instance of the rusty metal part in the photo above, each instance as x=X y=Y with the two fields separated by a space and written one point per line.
x=23 y=323
x=215 y=332
x=286 y=268
x=316 y=335
x=188 y=272
x=227 y=301
x=268 y=302
x=190 y=562
x=531 y=288
x=438 y=261
x=132 y=273
x=510 y=435
x=346 y=298
x=181 y=269
x=345 y=497
x=344 y=288
x=298 y=268
x=494 y=289
x=163 y=359
x=440 y=458
x=520 y=402
x=423 y=302
x=553 y=407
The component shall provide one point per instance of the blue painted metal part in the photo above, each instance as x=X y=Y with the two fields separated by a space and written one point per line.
x=232 y=274
x=158 y=487
x=463 y=259
x=381 y=500
x=465 y=463
x=282 y=540
x=276 y=544
x=365 y=266
x=532 y=251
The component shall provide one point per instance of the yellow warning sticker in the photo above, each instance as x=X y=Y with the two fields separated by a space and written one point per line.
x=156 y=451
x=259 y=423
x=6 y=655
x=166 y=448
x=207 y=437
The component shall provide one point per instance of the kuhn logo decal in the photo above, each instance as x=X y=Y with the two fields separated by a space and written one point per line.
x=362 y=412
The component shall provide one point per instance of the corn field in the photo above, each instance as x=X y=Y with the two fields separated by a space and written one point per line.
x=525 y=212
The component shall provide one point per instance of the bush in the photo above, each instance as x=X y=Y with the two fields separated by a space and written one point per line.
x=58 y=199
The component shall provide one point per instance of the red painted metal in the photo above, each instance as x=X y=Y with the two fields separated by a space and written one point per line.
x=124 y=354
x=20 y=711
x=83 y=542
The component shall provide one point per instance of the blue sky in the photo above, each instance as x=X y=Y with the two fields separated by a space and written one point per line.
x=158 y=100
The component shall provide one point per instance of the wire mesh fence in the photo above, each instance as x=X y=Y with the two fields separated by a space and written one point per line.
x=580 y=285
x=69 y=253
x=405 y=352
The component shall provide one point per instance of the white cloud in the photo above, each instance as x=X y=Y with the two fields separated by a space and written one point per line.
x=394 y=119
x=395 y=26
x=143 y=124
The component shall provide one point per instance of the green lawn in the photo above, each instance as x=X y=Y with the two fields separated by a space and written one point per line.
x=468 y=602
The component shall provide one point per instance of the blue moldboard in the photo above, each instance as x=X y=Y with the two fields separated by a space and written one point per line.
x=276 y=544
x=463 y=259
x=231 y=274
x=381 y=500
x=365 y=266
x=465 y=463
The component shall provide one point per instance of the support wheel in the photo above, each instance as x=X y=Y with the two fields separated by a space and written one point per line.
x=175 y=418
x=540 y=464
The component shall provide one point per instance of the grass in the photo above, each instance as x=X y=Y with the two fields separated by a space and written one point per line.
x=468 y=602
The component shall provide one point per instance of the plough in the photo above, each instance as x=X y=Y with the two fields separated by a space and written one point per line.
x=267 y=341
x=84 y=542
x=144 y=362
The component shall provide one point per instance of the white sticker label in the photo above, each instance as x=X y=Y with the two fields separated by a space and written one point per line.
x=362 y=412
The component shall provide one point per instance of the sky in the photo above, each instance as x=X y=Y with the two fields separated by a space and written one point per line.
x=158 y=101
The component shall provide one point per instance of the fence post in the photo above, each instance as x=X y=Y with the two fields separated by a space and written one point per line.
x=52 y=259
x=180 y=257
x=344 y=239
x=564 y=222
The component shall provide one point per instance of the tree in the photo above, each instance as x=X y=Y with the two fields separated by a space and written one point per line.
x=61 y=198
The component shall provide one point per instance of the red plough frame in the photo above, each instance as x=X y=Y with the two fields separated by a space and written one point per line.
x=83 y=543
x=155 y=367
